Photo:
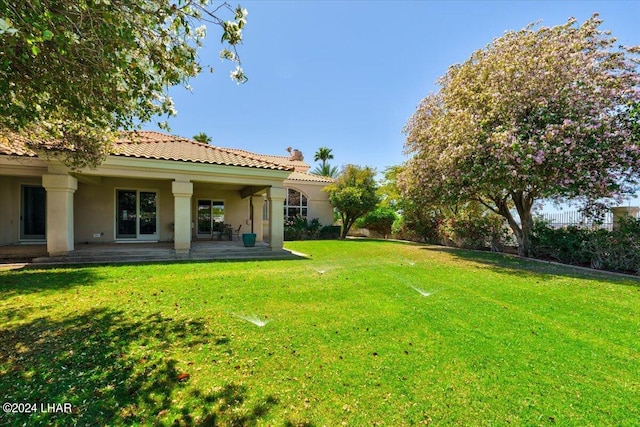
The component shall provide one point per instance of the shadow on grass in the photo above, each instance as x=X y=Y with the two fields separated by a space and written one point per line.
x=26 y=281
x=114 y=371
x=39 y=278
x=522 y=267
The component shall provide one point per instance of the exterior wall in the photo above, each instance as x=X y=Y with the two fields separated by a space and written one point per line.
x=236 y=209
x=95 y=210
x=317 y=200
x=10 y=206
x=92 y=206
x=95 y=207
x=8 y=214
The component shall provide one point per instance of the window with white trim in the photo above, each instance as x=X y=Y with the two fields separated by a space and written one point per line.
x=295 y=204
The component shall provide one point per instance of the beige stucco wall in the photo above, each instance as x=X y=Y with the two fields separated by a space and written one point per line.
x=317 y=200
x=95 y=210
x=10 y=206
x=236 y=209
x=317 y=203
x=95 y=207
x=94 y=199
x=7 y=214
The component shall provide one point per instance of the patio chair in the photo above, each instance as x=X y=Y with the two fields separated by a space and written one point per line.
x=236 y=232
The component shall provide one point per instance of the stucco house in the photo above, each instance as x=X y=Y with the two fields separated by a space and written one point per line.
x=155 y=188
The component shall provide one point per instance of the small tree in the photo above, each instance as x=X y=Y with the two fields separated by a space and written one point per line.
x=353 y=194
x=537 y=114
x=390 y=195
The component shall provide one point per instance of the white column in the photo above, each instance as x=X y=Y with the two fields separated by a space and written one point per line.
x=276 y=196
x=60 y=189
x=182 y=192
x=258 y=206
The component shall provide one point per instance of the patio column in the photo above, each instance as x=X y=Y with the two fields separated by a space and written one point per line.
x=182 y=192
x=60 y=189
x=276 y=196
x=258 y=205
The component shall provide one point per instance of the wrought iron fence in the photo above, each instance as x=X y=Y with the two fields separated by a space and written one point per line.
x=577 y=219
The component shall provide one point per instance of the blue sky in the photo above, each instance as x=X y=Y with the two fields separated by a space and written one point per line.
x=348 y=74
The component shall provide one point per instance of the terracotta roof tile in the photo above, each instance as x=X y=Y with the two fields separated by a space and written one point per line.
x=156 y=145
x=303 y=176
x=16 y=147
x=161 y=146
x=299 y=165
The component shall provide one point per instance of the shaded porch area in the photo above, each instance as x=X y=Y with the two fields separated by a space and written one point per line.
x=110 y=253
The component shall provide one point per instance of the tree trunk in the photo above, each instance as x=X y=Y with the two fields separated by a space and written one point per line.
x=503 y=210
x=524 y=249
x=347 y=222
x=523 y=203
x=522 y=231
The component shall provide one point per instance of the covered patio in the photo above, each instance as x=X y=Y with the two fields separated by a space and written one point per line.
x=154 y=188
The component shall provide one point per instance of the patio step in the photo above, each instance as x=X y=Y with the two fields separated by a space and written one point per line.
x=242 y=254
x=115 y=255
x=107 y=257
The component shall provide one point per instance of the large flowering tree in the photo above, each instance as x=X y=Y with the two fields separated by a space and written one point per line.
x=541 y=113
x=72 y=72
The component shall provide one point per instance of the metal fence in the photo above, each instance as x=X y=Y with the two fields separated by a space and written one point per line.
x=577 y=219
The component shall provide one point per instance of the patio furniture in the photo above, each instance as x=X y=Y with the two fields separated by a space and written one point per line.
x=217 y=230
x=236 y=232
x=228 y=232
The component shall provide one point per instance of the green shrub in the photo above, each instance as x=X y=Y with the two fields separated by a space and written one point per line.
x=329 y=232
x=418 y=226
x=380 y=220
x=565 y=245
x=617 y=250
x=301 y=229
x=470 y=229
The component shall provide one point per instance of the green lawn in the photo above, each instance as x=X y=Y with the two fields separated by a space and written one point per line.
x=363 y=333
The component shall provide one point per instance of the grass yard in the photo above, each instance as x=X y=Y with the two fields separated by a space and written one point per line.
x=363 y=333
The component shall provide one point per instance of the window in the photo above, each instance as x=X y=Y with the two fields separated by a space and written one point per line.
x=295 y=204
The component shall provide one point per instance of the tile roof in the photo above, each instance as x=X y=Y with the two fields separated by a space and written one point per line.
x=16 y=147
x=156 y=145
x=304 y=176
x=161 y=146
x=299 y=165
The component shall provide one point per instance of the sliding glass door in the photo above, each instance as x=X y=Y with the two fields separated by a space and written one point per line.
x=136 y=215
x=210 y=217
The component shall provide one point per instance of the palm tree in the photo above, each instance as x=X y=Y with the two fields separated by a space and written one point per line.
x=323 y=154
x=202 y=137
x=325 y=169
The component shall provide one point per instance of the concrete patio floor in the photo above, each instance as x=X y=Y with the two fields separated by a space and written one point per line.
x=108 y=253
